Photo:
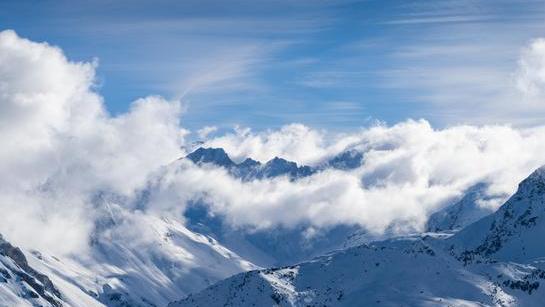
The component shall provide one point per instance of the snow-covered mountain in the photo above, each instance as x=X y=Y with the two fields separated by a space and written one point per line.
x=513 y=233
x=403 y=272
x=171 y=262
x=496 y=261
x=470 y=208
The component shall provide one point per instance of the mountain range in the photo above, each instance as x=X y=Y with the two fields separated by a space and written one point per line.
x=468 y=255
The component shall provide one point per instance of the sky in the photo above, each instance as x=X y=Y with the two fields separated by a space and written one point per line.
x=335 y=65
x=99 y=101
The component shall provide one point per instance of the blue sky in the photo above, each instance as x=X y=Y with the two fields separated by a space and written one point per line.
x=336 y=65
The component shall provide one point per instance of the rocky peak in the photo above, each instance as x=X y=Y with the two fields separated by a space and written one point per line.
x=216 y=156
x=346 y=160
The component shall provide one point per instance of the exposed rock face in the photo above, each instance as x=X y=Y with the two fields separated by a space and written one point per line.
x=17 y=270
x=250 y=169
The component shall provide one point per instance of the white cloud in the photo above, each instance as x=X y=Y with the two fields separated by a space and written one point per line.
x=293 y=142
x=409 y=170
x=530 y=78
x=205 y=131
x=60 y=148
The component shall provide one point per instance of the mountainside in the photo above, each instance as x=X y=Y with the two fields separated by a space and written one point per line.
x=467 y=210
x=21 y=284
x=405 y=272
x=496 y=261
x=116 y=272
x=514 y=232
x=169 y=259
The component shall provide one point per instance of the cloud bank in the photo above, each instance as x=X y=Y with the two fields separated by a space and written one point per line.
x=59 y=145
x=61 y=148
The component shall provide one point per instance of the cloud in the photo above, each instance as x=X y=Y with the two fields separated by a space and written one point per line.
x=293 y=142
x=65 y=160
x=409 y=170
x=205 y=131
x=530 y=77
x=59 y=145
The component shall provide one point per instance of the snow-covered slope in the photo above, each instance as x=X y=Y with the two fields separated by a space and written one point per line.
x=166 y=262
x=407 y=272
x=470 y=208
x=515 y=232
x=21 y=284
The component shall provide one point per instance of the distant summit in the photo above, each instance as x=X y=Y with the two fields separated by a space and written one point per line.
x=346 y=160
x=251 y=169
x=216 y=156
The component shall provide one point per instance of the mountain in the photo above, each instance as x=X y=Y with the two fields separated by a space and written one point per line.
x=162 y=262
x=21 y=284
x=267 y=247
x=467 y=210
x=402 y=272
x=495 y=261
x=251 y=169
x=280 y=167
x=346 y=160
x=514 y=232
x=215 y=156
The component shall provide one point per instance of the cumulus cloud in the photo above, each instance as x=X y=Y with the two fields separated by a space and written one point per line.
x=295 y=142
x=59 y=145
x=61 y=150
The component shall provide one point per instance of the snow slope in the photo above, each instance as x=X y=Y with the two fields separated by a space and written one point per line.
x=171 y=262
x=405 y=272
x=470 y=208
x=21 y=284
x=513 y=233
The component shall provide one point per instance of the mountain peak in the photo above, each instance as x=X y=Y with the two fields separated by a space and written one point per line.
x=346 y=160
x=515 y=230
x=249 y=162
x=216 y=156
x=535 y=183
x=278 y=167
x=249 y=169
